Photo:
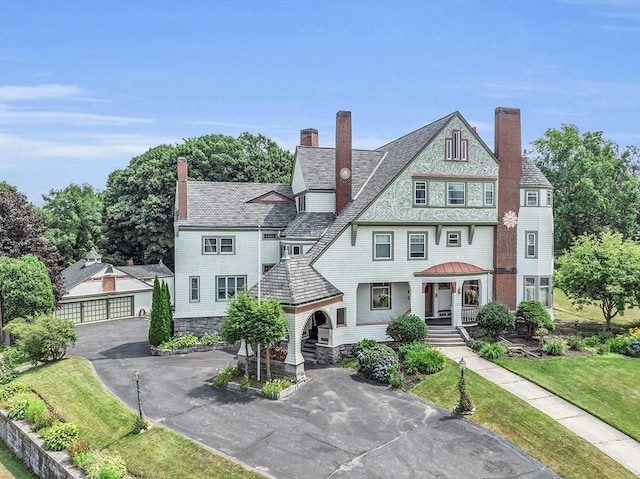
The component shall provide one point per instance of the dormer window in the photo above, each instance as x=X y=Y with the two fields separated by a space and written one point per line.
x=456 y=148
x=532 y=198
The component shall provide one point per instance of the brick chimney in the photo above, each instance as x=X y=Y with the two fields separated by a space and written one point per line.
x=508 y=149
x=309 y=137
x=130 y=262
x=181 y=192
x=343 y=172
x=108 y=281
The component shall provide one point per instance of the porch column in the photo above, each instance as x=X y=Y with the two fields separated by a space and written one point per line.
x=417 y=297
x=294 y=363
x=456 y=304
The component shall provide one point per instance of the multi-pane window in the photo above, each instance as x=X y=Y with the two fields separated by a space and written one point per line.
x=194 y=289
x=382 y=246
x=456 y=148
x=532 y=198
x=228 y=286
x=218 y=245
x=531 y=246
x=380 y=296
x=267 y=267
x=417 y=245
x=341 y=314
x=539 y=289
x=545 y=292
x=529 y=288
x=420 y=193
x=269 y=236
x=453 y=238
x=302 y=203
x=549 y=198
x=455 y=193
x=488 y=194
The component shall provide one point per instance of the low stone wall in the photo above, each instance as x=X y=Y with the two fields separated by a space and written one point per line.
x=196 y=326
x=27 y=446
x=196 y=348
x=328 y=355
x=278 y=369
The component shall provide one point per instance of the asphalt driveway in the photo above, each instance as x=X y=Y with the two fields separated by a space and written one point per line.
x=336 y=426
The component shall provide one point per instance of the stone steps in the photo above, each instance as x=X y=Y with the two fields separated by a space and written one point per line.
x=444 y=336
x=309 y=351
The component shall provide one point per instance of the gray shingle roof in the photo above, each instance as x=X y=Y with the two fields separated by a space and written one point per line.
x=532 y=176
x=399 y=154
x=147 y=271
x=294 y=282
x=308 y=225
x=225 y=205
x=75 y=274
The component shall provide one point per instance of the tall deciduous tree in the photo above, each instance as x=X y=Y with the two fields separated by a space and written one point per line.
x=240 y=322
x=139 y=200
x=22 y=231
x=75 y=220
x=595 y=186
x=271 y=326
x=601 y=269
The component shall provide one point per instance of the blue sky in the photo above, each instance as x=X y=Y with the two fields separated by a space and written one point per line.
x=87 y=85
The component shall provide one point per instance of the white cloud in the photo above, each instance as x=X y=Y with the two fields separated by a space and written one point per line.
x=14 y=117
x=9 y=93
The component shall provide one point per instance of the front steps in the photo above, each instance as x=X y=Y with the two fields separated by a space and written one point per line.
x=309 y=351
x=444 y=336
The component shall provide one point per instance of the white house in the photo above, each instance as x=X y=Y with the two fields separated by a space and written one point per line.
x=97 y=291
x=433 y=224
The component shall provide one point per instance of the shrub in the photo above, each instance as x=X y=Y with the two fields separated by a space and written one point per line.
x=618 y=345
x=633 y=333
x=397 y=379
x=81 y=459
x=210 y=339
x=185 y=341
x=407 y=329
x=477 y=344
x=362 y=345
x=78 y=446
x=105 y=466
x=535 y=316
x=45 y=420
x=420 y=357
x=493 y=351
x=45 y=338
x=9 y=360
x=554 y=348
x=271 y=389
x=18 y=405
x=378 y=363
x=223 y=377
x=12 y=389
x=591 y=341
x=575 y=342
x=494 y=317
x=60 y=435
x=245 y=382
x=35 y=410
x=603 y=348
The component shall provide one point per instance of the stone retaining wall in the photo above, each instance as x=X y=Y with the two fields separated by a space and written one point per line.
x=328 y=355
x=27 y=446
x=278 y=369
x=196 y=348
x=196 y=326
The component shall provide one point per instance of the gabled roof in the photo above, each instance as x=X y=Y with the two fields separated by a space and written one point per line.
x=397 y=155
x=228 y=205
x=450 y=269
x=308 y=225
x=79 y=271
x=532 y=176
x=147 y=271
x=294 y=282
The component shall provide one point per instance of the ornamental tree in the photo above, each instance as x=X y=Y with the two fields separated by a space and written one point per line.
x=240 y=322
x=601 y=269
x=45 y=338
x=271 y=326
x=534 y=315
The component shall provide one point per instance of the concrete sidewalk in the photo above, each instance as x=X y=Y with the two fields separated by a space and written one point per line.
x=609 y=440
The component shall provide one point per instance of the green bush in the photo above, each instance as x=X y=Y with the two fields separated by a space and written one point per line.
x=535 y=316
x=362 y=345
x=78 y=446
x=224 y=376
x=60 y=436
x=618 y=345
x=35 y=410
x=210 y=339
x=45 y=338
x=407 y=329
x=603 y=348
x=18 y=405
x=245 y=382
x=185 y=341
x=45 y=420
x=575 y=342
x=554 y=348
x=477 y=345
x=494 y=317
x=10 y=359
x=397 y=379
x=105 y=466
x=12 y=389
x=591 y=341
x=493 y=351
x=420 y=357
x=379 y=363
x=271 y=389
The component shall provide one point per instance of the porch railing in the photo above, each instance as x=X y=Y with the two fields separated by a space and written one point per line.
x=469 y=315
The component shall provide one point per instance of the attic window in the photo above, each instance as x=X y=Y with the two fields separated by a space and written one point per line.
x=270 y=198
x=456 y=148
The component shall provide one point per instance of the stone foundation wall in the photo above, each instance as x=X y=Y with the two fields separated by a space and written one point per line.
x=278 y=369
x=328 y=355
x=196 y=326
x=27 y=446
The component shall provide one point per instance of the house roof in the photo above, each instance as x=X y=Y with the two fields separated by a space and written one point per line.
x=397 y=155
x=451 y=268
x=532 y=176
x=233 y=206
x=308 y=225
x=80 y=271
x=147 y=271
x=294 y=282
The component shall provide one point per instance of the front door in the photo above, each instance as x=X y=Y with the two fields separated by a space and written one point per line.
x=428 y=300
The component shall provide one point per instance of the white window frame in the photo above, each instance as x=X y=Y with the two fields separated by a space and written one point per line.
x=544 y=292
x=227 y=289
x=416 y=234
x=451 y=243
x=209 y=245
x=218 y=245
x=302 y=203
x=456 y=148
x=420 y=201
x=531 y=244
x=549 y=198
x=532 y=198
x=378 y=290
x=194 y=287
x=453 y=187
x=378 y=236
x=535 y=290
x=489 y=194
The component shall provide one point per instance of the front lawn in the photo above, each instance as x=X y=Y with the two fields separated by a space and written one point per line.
x=562 y=308
x=607 y=387
x=10 y=466
x=72 y=391
x=533 y=431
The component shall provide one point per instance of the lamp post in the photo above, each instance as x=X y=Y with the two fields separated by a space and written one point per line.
x=463 y=366
x=136 y=378
x=464 y=405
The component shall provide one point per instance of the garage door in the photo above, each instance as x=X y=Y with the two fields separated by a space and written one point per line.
x=96 y=309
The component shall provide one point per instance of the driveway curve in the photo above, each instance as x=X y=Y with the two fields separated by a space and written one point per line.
x=336 y=426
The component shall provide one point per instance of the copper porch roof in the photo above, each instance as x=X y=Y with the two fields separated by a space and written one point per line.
x=452 y=268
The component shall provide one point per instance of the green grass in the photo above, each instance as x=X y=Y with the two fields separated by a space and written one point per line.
x=607 y=387
x=562 y=308
x=74 y=393
x=11 y=467
x=533 y=431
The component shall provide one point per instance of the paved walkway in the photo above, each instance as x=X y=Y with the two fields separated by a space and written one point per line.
x=609 y=440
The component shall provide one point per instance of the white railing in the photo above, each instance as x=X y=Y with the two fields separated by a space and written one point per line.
x=469 y=315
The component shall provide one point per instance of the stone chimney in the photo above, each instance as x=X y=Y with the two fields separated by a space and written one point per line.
x=508 y=149
x=309 y=137
x=343 y=172
x=108 y=281
x=181 y=190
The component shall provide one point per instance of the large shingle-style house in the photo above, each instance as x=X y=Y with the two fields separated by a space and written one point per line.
x=97 y=291
x=433 y=224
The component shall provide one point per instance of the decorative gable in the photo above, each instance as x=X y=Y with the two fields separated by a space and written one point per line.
x=444 y=183
x=272 y=197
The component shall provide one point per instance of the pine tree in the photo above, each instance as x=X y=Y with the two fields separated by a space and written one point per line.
x=158 y=331
x=168 y=313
